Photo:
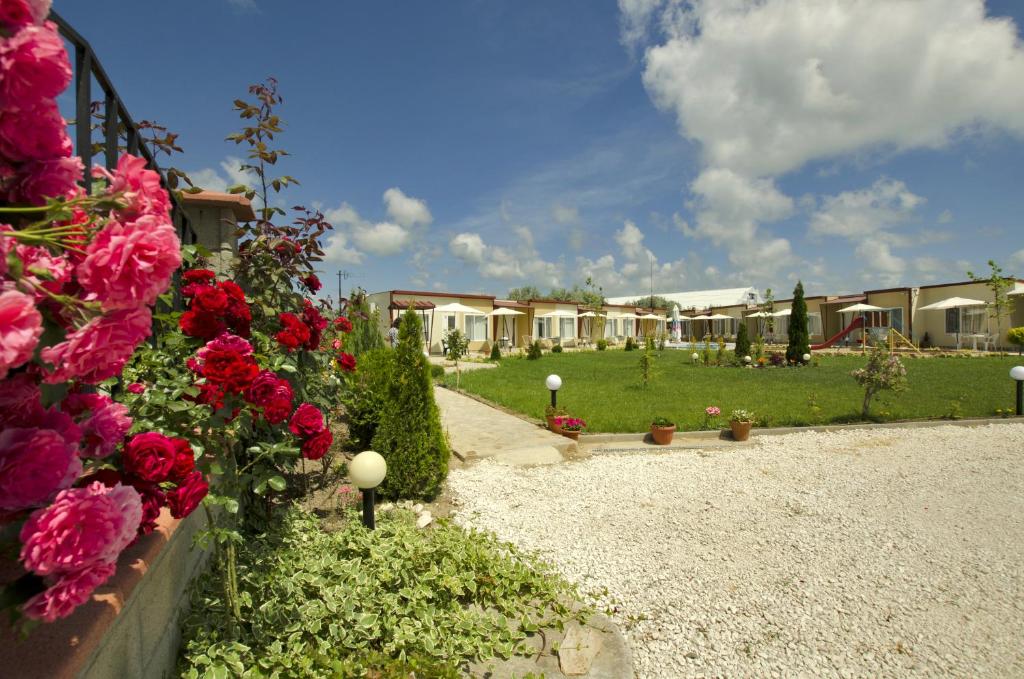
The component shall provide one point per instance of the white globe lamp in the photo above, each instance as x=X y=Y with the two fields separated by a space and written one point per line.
x=553 y=383
x=366 y=471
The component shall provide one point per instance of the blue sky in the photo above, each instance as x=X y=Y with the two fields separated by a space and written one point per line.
x=477 y=146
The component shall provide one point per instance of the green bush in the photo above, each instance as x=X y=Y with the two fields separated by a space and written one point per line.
x=1016 y=336
x=799 y=343
x=602 y=344
x=359 y=603
x=437 y=371
x=557 y=349
x=366 y=334
x=495 y=352
x=534 y=352
x=410 y=436
x=630 y=344
x=364 y=403
x=742 y=342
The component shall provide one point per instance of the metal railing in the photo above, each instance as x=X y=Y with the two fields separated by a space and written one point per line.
x=87 y=66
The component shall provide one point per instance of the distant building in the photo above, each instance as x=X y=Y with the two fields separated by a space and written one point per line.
x=701 y=299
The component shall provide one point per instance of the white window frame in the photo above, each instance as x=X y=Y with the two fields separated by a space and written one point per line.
x=473 y=323
x=814 y=324
x=544 y=331
x=569 y=323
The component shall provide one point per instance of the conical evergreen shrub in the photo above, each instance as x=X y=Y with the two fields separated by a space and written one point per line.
x=799 y=343
x=742 y=342
x=409 y=435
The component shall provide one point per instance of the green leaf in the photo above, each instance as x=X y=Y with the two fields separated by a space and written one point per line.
x=277 y=483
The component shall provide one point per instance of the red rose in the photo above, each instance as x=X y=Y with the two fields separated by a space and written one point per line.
x=343 y=324
x=201 y=324
x=153 y=500
x=194 y=280
x=294 y=333
x=273 y=394
x=149 y=456
x=231 y=289
x=307 y=421
x=317 y=445
x=210 y=299
x=347 y=362
x=135 y=388
x=229 y=369
x=311 y=282
x=277 y=410
x=187 y=496
x=184 y=460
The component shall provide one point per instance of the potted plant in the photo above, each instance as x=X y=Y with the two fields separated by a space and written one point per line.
x=570 y=426
x=662 y=430
x=740 y=422
x=552 y=413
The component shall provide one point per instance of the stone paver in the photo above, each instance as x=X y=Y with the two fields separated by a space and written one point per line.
x=477 y=431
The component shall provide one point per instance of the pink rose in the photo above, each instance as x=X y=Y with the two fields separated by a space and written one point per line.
x=140 y=188
x=82 y=528
x=307 y=421
x=105 y=429
x=37 y=132
x=34 y=464
x=20 y=12
x=33 y=65
x=67 y=592
x=187 y=496
x=150 y=456
x=20 y=399
x=224 y=342
x=21 y=325
x=130 y=264
x=43 y=268
x=41 y=179
x=136 y=388
x=100 y=348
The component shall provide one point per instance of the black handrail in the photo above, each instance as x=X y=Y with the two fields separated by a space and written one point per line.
x=87 y=67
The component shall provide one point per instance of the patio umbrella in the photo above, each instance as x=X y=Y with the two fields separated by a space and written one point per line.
x=760 y=316
x=677 y=327
x=953 y=303
x=457 y=308
x=701 y=317
x=720 y=317
x=862 y=309
x=506 y=315
x=586 y=316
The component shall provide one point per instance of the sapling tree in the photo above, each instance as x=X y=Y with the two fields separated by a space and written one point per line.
x=799 y=344
x=647 y=363
x=457 y=346
x=883 y=372
x=742 y=342
x=1001 y=305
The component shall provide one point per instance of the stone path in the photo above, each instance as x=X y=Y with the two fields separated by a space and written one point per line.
x=476 y=431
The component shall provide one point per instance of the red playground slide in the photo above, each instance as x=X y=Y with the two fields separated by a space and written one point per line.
x=857 y=323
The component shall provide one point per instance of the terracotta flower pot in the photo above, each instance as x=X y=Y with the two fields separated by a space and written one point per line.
x=740 y=430
x=552 y=426
x=662 y=435
x=574 y=435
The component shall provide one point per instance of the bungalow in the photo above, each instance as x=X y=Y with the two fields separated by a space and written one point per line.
x=440 y=312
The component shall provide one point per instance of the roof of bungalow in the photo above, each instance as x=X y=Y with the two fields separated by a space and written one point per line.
x=700 y=299
x=453 y=295
x=236 y=202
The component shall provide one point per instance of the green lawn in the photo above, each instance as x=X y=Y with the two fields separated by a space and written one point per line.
x=603 y=388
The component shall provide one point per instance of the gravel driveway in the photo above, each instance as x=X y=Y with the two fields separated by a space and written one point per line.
x=886 y=552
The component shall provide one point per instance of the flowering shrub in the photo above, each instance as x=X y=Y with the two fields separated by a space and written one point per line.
x=567 y=423
x=884 y=371
x=711 y=414
x=78 y=274
x=740 y=415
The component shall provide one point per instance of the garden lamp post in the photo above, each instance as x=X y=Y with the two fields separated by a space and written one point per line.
x=553 y=383
x=746 y=359
x=695 y=357
x=1017 y=373
x=807 y=358
x=366 y=471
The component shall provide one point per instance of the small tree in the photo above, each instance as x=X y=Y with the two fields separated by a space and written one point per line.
x=495 y=352
x=409 y=435
x=884 y=371
x=768 y=307
x=1001 y=304
x=799 y=343
x=742 y=342
x=534 y=352
x=647 y=363
x=366 y=335
x=457 y=347
x=1016 y=336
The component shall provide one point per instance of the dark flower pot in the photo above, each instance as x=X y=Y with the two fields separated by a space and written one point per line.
x=740 y=430
x=662 y=435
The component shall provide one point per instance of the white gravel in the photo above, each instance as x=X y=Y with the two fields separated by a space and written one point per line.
x=887 y=552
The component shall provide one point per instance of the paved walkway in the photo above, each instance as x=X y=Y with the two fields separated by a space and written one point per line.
x=476 y=431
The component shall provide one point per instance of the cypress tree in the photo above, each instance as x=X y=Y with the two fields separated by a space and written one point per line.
x=409 y=435
x=799 y=344
x=742 y=342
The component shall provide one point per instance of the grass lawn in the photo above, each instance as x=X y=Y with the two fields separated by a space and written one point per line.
x=604 y=389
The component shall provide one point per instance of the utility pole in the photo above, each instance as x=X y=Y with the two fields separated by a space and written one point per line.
x=341 y=274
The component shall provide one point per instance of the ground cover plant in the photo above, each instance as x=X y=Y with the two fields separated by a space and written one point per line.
x=597 y=386
x=358 y=603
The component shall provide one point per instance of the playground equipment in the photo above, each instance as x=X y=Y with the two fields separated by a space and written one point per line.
x=857 y=323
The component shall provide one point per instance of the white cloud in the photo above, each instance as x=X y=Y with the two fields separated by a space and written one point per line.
x=636 y=19
x=563 y=214
x=382 y=238
x=469 y=247
x=861 y=214
x=406 y=210
x=945 y=217
x=337 y=249
x=631 y=243
x=769 y=85
x=228 y=173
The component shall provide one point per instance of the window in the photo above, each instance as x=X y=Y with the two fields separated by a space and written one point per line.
x=972 y=321
x=566 y=328
x=476 y=328
x=814 y=324
x=449 y=322
x=896 y=319
x=609 y=327
x=627 y=327
x=542 y=327
x=952 y=321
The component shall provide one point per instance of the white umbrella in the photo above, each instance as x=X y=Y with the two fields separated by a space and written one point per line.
x=953 y=303
x=860 y=308
x=719 y=317
x=457 y=308
x=587 y=330
x=506 y=314
x=558 y=313
x=784 y=312
x=677 y=327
